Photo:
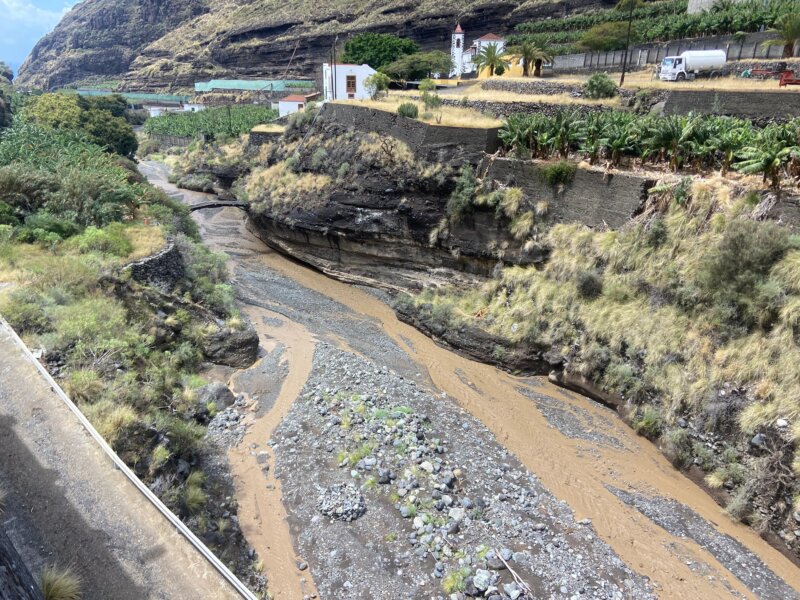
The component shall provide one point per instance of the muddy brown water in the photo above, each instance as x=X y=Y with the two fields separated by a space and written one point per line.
x=581 y=472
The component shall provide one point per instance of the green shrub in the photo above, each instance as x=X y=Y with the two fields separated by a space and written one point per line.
x=7 y=216
x=734 y=273
x=84 y=386
x=600 y=85
x=648 y=422
x=24 y=311
x=460 y=203
x=558 y=173
x=109 y=240
x=589 y=284
x=408 y=109
x=48 y=222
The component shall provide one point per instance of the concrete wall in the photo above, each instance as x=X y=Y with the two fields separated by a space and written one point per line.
x=457 y=144
x=593 y=197
x=751 y=47
x=758 y=106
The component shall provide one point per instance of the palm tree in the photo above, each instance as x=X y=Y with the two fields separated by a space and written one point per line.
x=491 y=58
x=787 y=27
x=532 y=54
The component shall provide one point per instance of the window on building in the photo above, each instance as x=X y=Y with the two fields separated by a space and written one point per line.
x=300 y=106
x=351 y=84
x=458 y=43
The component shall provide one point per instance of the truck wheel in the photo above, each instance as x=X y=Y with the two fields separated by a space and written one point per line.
x=681 y=77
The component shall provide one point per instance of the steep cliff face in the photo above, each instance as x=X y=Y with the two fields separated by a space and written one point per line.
x=102 y=38
x=171 y=44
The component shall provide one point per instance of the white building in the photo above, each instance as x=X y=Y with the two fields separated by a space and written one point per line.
x=345 y=82
x=463 y=58
x=293 y=103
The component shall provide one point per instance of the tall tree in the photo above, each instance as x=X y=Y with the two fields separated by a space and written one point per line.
x=419 y=65
x=532 y=54
x=377 y=49
x=492 y=58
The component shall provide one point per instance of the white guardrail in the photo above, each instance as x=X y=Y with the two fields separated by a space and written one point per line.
x=215 y=562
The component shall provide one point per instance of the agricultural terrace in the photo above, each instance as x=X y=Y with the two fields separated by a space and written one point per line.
x=690 y=142
x=452 y=116
x=653 y=22
x=212 y=122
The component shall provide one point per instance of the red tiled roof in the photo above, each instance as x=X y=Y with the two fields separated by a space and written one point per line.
x=294 y=98
x=490 y=37
x=458 y=28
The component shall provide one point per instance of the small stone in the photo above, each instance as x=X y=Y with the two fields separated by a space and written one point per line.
x=539 y=527
x=512 y=590
x=759 y=441
x=301 y=565
x=482 y=579
x=457 y=514
x=782 y=423
x=426 y=466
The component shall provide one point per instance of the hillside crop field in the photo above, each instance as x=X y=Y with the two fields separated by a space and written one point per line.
x=212 y=122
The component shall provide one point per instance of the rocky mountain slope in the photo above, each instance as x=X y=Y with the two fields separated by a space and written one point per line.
x=171 y=44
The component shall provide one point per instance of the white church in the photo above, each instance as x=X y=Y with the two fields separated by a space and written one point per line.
x=462 y=58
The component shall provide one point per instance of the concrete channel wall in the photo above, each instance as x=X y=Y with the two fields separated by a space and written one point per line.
x=72 y=501
x=593 y=197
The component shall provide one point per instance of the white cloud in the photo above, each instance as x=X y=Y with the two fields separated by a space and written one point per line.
x=15 y=13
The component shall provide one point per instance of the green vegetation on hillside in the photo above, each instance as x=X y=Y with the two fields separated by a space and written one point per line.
x=662 y=20
x=693 y=309
x=692 y=141
x=102 y=119
x=212 y=122
x=71 y=214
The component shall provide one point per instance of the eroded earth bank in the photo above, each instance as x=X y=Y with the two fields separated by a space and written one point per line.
x=372 y=463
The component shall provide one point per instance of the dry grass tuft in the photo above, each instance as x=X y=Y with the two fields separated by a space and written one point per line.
x=60 y=584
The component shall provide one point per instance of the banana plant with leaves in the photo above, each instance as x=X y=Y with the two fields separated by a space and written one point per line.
x=733 y=135
x=769 y=154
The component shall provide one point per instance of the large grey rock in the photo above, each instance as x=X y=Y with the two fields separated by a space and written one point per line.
x=232 y=348
x=216 y=392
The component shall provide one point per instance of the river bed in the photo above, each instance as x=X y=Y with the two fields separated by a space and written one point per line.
x=652 y=530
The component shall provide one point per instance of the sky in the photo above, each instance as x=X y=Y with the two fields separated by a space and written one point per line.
x=23 y=22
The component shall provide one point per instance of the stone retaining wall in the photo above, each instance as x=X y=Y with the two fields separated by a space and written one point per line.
x=506 y=109
x=541 y=87
x=593 y=197
x=761 y=107
x=459 y=144
x=162 y=270
x=259 y=138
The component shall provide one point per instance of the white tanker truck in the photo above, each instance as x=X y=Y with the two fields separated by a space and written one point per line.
x=692 y=63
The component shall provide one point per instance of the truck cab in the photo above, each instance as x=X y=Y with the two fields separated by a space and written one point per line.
x=673 y=68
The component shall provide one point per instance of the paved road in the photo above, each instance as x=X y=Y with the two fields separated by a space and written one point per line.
x=69 y=505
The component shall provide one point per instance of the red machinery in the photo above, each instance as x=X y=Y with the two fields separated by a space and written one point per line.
x=788 y=78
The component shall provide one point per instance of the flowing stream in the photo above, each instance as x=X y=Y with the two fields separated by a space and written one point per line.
x=658 y=521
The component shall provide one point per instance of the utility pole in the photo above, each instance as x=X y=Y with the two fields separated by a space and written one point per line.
x=627 y=42
x=333 y=66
